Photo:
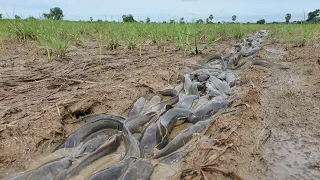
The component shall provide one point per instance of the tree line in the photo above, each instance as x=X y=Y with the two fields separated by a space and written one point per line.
x=57 y=14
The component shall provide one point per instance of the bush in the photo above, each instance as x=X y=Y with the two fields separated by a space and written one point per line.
x=261 y=21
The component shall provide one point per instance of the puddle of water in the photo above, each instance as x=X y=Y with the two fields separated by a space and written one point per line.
x=55 y=155
x=176 y=130
x=292 y=157
x=164 y=171
x=102 y=163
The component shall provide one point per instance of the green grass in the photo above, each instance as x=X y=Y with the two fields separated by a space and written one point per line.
x=56 y=36
x=289 y=92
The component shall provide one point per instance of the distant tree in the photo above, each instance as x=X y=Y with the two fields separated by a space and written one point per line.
x=99 y=20
x=17 y=17
x=182 y=20
x=172 y=21
x=31 y=18
x=234 y=18
x=164 y=22
x=313 y=16
x=288 y=17
x=261 y=21
x=0 y=16
x=211 y=17
x=199 y=21
x=55 y=14
x=91 y=19
x=148 y=20
x=128 y=18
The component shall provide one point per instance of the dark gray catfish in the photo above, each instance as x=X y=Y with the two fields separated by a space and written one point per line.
x=148 y=138
x=45 y=172
x=93 y=144
x=86 y=130
x=252 y=51
x=221 y=86
x=267 y=64
x=203 y=77
x=230 y=78
x=106 y=149
x=166 y=122
x=114 y=172
x=178 y=88
x=108 y=132
x=187 y=83
x=136 y=123
x=182 y=138
x=188 y=101
x=211 y=91
x=132 y=151
x=132 y=145
x=173 y=100
x=141 y=169
x=95 y=117
x=137 y=107
x=208 y=109
x=194 y=88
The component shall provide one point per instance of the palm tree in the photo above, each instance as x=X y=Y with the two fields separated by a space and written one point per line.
x=211 y=17
x=181 y=20
x=148 y=20
x=288 y=17
x=234 y=18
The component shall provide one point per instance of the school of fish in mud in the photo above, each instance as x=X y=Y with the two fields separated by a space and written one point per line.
x=145 y=134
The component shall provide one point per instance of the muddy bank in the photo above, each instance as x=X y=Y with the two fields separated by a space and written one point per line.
x=273 y=130
x=210 y=84
x=258 y=133
x=38 y=97
x=290 y=110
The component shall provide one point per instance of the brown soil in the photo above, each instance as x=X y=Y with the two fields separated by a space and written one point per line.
x=272 y=129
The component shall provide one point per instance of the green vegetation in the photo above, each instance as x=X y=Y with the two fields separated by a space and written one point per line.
x=209 y=20
x=234 y=18
x=148 y=20
x=261 y=21
x=17 y=17
x=55 y=14
x=288 y=17
x=128 y=18
x=289 y=92
x=313 y=17
x=56 y=36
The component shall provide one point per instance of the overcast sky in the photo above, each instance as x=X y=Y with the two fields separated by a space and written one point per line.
x=222 y=10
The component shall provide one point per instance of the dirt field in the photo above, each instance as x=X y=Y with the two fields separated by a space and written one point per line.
x=270 y=132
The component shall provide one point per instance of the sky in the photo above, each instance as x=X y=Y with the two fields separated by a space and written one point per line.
x=163 y=10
